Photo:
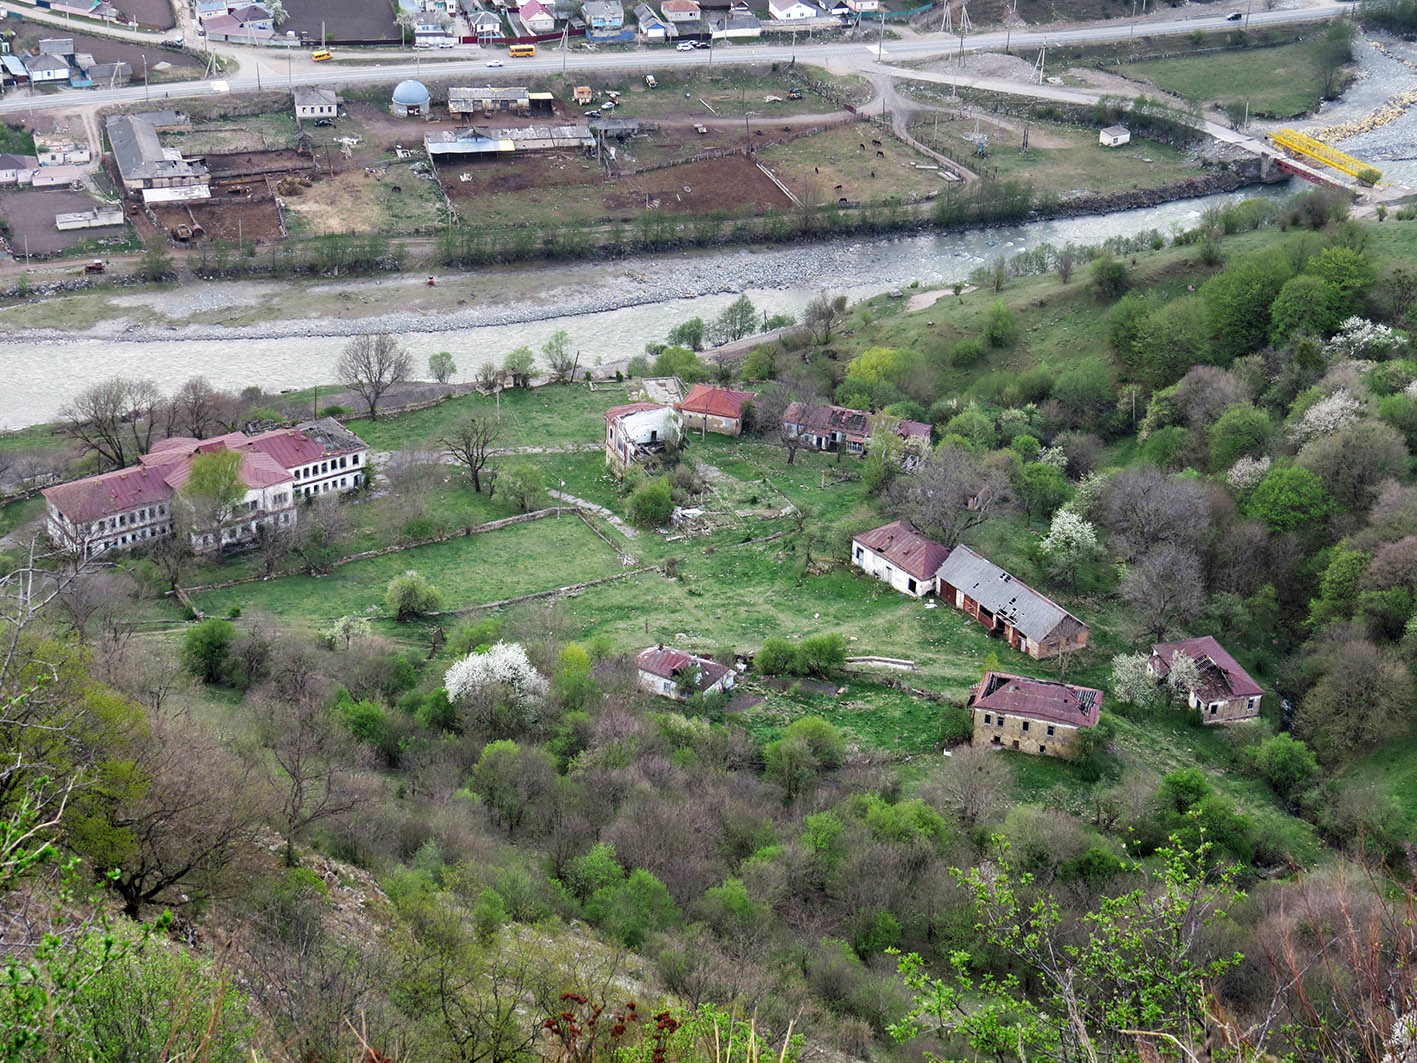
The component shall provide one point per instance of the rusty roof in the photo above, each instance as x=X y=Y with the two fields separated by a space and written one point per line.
x=1221 y=675
x=816 y=418
x=632 y=407
x=714 y=402
x=668 y=663
x=905 y=548
x=1038 y=699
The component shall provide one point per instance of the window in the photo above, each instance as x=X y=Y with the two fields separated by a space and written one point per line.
x=1050 y=730
x=354 y=460
x=1214 y=709
x=668 y=687
x=1025 y=725
x=1000 y=721
x=988 y=717
x=859 y=553
x=122 y=519
x=1250 y=705
x=910 y=585
x=1042 y=748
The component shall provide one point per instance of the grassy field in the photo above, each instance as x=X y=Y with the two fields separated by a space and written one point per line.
x=1280 y=82
x=871 y=715
x=727 y=92
x=521 y=559
x=1060 y=159
x=814 y=166
x=254 y=132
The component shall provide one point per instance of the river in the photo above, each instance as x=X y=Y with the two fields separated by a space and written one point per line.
x=611 y=309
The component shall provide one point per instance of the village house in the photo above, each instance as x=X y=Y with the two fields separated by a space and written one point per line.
x=680 y=10
x=604 y=15
x=897 y=554
x=211 y=9
x=714 y=409
x=861 y=7
x=652 y=27
x=143 y=163
x=1028 y=621
x=1037 y=716
x=17 y=169
x=132 y=506
x=536 y=18
x=484 y=99
x=56 y=150
x=482 y=24
x=638 y=432
x=827 y=427
x=46 y=68
x=672 y=673
x=1224 y=692
x=316 y=103
x=786 y=10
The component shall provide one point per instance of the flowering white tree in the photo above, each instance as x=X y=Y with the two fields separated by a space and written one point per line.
x=1070 y=543
x=1054 y=456
x=1132 y=681
x=503 y=676
x=1183 y=677
x=1357 y=337
x=1327 y=416
x=1246 y=474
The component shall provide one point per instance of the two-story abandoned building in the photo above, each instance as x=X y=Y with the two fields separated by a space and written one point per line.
x=1038 y=716
x=638 y=432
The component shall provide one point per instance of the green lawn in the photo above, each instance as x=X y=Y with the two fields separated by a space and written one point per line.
x=1284 y=81
x=537 y=556
x=541 y=417
x=872 y=716
x=1394 y=768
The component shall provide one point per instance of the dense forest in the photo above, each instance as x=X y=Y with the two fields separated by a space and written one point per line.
x=410 y=836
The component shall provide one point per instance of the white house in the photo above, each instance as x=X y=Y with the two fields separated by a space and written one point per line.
x=316 y=103
x=44 y=68
x=13 y=167
x=861 y=7
x=672 y=673
x=638 y=431
x=652 y=27
x=786 y=10
x=897 y=554
x=1114 y=136
x=535 y=18
x=130 y=507
x=60 y=150
x=680 y=10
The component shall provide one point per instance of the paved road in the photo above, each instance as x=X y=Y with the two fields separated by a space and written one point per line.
x=856 y=55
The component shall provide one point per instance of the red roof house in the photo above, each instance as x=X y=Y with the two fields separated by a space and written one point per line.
x=897 y=554
x=672 y=673
x=1223 y=691
x=1038 y=716
x=714 y=409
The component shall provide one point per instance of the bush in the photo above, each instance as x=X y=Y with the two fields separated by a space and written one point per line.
x=651 y=504
x=776 y=657
x=1109 y=278
x=966 y=353
x=411 y=595
x=206 y=648
x=1001 y=330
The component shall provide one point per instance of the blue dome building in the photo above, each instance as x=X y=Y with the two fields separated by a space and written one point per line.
x=411 y=98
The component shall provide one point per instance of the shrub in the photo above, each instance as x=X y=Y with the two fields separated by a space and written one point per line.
x=206 y=647
x=650 y=505
x=411 y=595
x=776 y=657
x=1109 y=278
x=1001 y=329
x=966 y=352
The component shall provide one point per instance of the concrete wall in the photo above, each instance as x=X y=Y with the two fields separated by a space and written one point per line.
x=873 y=564
x=1024 y=735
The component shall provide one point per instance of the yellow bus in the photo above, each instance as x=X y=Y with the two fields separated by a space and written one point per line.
x=522 y=51
x=321 y=56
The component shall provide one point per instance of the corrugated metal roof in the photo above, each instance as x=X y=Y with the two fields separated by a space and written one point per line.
x=1009 y=599
x=1224 y=678
x=668 y=663
x=1038 y=699
x=715 y=402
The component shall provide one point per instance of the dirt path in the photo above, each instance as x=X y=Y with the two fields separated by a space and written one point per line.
x=600 y=511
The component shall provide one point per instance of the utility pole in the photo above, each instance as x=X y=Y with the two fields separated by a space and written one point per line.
x=881 y=42
x=146 y=96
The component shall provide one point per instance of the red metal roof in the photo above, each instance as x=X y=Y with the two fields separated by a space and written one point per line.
x=288 y=447
x=111 y=492
x=906 y=548
x=667 y=663
x=913 y=429
x=714 y=402
x=1038 y=699
x=1224 y=678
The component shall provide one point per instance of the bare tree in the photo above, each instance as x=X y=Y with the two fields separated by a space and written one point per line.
x=321 y=535
x=371 y=365
x=198 y=409
x=274 y=543
x=1164 y=588
x=470 y=444
x=191 y=812
x=313 y=769
x=114 y=419
x=1144 y=507
x=971 y=783
x=768 y=417
x=824 y=315
x=952 y=492
x=559 y=358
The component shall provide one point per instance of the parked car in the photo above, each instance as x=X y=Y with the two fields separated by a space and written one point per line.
x=592 y=114
x=1234 y=16
x=324 y=123
x=684 y=46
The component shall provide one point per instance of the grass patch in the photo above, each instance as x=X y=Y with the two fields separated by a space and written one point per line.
x=15 y=140
x=1284 y=81
x=871 y=715
x=540 y=555
x=814 y=166
x=1394 y=769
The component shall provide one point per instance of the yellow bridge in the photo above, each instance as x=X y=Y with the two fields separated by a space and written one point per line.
x=1302 y=144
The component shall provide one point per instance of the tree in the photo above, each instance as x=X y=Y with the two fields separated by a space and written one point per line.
x=1237 y=302
x=824 y=315
x=488 y=376
x=156 y=263
x=441 y=366
x=1355 y=461
x=1071 y=542
x=1362 y=697
x=114 y=419
x=1287 y=764
x=371 y=365
x=278 y=12
x=520 y=364
x=807 y=748
x=1144 y=507
x=633 y=910
x=651 y=504
x=1042 y=488
x=198 y=409
x=206 y=647
x=1241 y=431
x=880 y=375
x=1000 y=329
x=1289 y=498
x=500 y=681
x=411 y=595
x=312 y=768
x=688 y=334
x=1163 y=587
x=212 y=491
x=470 y=444
x=322 y=535
x=1305 y=306
x=971 y=782
x=952 y=492
x=1132 y=681
x=559 y=357
x=1108 y=277
x=1064 y=262
x=738 y=319
x=513 y=781
x=522 y=485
